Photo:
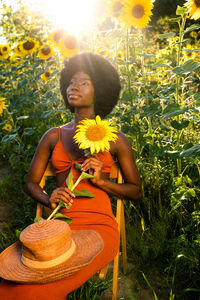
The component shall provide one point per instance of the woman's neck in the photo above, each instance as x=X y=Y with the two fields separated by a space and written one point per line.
x=79 y=116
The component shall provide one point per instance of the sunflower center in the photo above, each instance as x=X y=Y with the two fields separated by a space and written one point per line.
x=47 y=74
x=138 y=11
x=70 y=42
x=46 y=50
x=28 y=45
x=95 y=133
x=4 y=48
x=197 y=3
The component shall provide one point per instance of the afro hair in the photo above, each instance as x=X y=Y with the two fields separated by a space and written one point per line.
x=103 y=75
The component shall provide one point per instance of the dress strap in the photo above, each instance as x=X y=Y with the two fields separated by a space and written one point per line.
x=59 y=132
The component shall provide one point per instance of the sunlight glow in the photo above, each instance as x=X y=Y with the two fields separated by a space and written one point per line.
x=71 y=15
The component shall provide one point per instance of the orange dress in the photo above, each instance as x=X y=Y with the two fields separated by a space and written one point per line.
x=86 y=213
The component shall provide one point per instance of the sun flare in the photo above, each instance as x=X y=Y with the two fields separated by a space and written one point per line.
x=73 y=16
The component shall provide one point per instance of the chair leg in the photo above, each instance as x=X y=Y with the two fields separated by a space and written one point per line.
x=103 y=272
x=115 y=277
x=123 y=237
x=39 y=210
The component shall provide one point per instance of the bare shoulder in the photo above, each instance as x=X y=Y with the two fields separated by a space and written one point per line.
x=121 y=144
x=50 y=135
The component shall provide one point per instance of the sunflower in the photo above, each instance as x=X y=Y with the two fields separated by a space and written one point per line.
x=16 y=58
x=103 y=52
x=115 y=8
x=95 y=134
x=28 y=46
x=46 y=51
x=68 y=46
x=2 y=105
x=45 y=76
x=193 y=8
x=7 y=127
x=17 y=50
x=3 y=56
x=194 y=34
x=4 y=51
x=120 y=55
x=189 y=54
x=55 y=36
x=136 y=13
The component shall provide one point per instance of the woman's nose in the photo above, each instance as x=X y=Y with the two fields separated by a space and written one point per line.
x=75 y=84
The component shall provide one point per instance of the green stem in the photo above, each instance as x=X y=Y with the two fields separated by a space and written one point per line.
x=181 y=36
x=54 y=212
x=145 y=79
x=127 y=65
x=77 y=182
x=60 y=205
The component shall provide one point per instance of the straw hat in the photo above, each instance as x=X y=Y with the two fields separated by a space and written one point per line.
x=49 y=251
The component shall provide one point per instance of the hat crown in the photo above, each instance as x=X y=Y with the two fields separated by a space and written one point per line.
x=45 y=240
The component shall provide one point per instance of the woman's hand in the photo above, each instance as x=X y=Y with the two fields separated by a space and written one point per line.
x=94 y=165
x=61 y=193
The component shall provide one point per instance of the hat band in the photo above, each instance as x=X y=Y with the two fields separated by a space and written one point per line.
x=49 y=263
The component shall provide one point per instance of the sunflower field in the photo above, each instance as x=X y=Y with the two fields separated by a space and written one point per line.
x=159 y=111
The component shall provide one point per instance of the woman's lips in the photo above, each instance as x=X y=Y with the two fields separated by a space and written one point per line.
x=73 y=96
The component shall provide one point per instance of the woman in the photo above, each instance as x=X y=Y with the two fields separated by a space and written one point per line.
x=90 y=86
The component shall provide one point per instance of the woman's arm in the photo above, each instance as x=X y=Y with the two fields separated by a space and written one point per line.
x=36 y=171
x=131 y=188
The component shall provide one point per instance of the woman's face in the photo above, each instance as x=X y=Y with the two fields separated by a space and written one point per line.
x=80 y=92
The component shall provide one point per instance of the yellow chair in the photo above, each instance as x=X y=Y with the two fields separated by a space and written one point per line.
x=115 y=173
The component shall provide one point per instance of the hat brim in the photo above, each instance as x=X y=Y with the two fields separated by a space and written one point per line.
x=89 y=243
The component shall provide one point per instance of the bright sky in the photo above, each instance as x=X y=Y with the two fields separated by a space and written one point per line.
x=71 y=15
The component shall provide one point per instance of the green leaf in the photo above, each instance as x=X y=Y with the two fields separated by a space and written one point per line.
x=177 y=19
x=193 y=27
x=29 y=131
x=63 y=218
x=166 y=35
x=17 y=233
x=9 y=138
x=186 y=68
x=193 y=151
x=37 y=219
x=63 y=204
x=192 y=192
x=86 y=175
x=77 y=166
x=152 y=110
x=179 y=125
x=173 y=109
x=83 y=193
x=69 y=181
x=180 y=11
x=191 y=50
x=22 y=118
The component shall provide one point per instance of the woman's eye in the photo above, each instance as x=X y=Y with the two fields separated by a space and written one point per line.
x=85 y=83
